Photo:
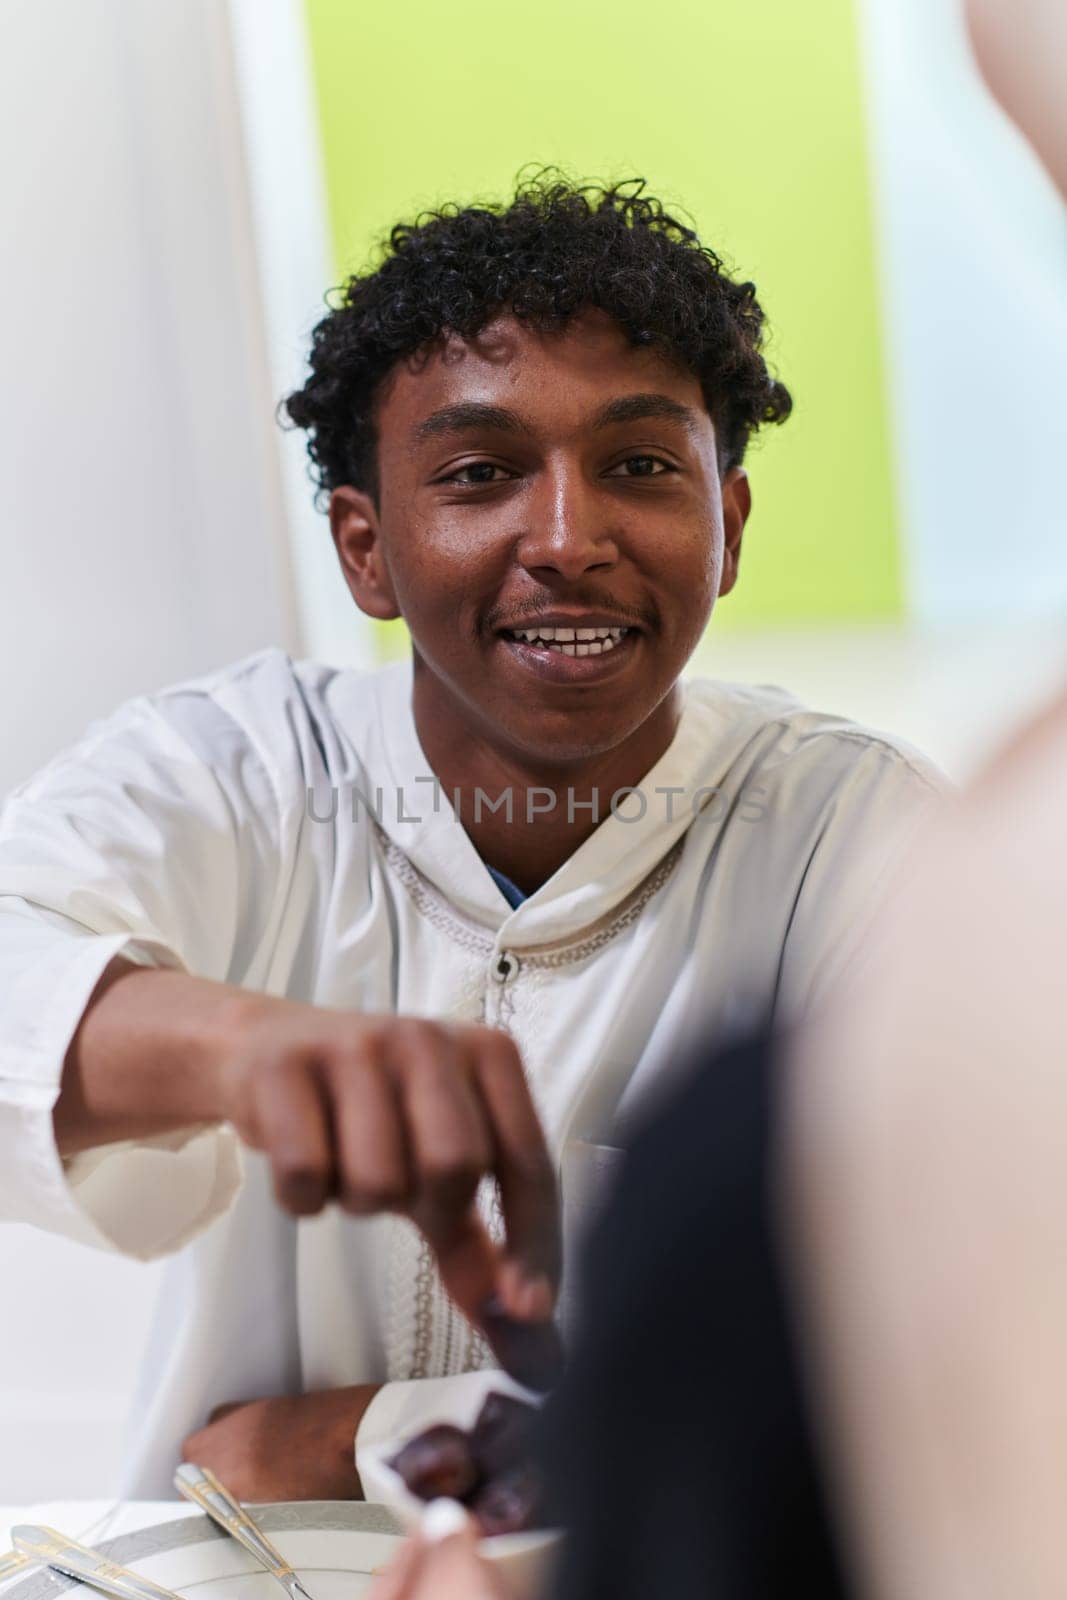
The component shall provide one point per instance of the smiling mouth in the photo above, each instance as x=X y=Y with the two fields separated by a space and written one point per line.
x=569 y=641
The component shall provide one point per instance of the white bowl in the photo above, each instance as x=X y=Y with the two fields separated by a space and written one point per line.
x=524 y=1559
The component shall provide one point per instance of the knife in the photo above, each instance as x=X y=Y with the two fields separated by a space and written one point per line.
x=74 y=1560
x=201 y=1486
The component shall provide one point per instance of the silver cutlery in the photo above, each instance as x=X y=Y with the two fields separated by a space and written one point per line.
x=11 y=1563
x=202 y=1487
x=52 y=1549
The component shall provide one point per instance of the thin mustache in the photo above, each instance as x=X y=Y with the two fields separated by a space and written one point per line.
x=578 y=602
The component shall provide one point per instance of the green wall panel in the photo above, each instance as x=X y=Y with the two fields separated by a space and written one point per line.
x=749 y=115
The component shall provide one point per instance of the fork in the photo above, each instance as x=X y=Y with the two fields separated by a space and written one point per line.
x=201 y=1486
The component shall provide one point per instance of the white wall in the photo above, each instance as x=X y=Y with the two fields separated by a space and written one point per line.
x=142 y=532
x=279 y=117
x=972 y=248
x=141 y=529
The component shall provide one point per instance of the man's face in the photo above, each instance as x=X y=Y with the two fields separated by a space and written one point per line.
x=545 y=481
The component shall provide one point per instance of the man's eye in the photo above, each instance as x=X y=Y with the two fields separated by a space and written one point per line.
x=640 y=467
x=477 y=472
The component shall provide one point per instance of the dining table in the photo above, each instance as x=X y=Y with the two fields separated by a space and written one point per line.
x=90 y=1521
x=341 y=1544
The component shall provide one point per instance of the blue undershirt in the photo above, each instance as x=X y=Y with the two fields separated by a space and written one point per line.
x=511 y=892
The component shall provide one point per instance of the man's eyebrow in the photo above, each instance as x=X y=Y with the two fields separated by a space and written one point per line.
x=469 y=414
x=638 y=407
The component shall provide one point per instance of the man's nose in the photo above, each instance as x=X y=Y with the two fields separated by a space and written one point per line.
x=568 y=530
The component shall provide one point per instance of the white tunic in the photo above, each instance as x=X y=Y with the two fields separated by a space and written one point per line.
x=223 y=828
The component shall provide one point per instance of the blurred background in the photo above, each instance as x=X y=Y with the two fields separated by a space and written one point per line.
x=183 y=179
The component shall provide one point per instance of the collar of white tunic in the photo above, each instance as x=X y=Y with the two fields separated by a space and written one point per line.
x=718 y=720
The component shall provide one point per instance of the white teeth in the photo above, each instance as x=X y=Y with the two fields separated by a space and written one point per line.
x=593 y=641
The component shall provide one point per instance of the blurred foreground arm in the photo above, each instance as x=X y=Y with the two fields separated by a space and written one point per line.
x=441 y=1569
x=929 y=1162
x=929 y=1133
x=1021 y=47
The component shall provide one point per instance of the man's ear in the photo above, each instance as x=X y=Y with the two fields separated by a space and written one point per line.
x=736 y=505
x=356 y=535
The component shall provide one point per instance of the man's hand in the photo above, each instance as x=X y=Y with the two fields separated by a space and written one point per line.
x=386 y=1113
x=285 y=1449
x=375 y=1112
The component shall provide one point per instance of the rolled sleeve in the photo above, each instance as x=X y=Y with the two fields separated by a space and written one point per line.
x=130 y=845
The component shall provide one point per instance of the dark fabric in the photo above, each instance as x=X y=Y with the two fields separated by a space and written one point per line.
x=511 y=891
x=678 y=1448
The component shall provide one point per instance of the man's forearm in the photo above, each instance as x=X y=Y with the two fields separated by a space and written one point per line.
x=298 y=1447
x=375 y=1111
x=146 y=1058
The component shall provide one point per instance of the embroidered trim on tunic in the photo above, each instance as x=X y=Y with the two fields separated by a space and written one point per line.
x=616 y=921
x=559 y=953
x=468 y=935
x=434 y=1348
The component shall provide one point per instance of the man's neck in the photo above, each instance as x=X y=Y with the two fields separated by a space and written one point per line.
x=526 y=817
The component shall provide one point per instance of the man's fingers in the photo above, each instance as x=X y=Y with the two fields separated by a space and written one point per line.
x=517 y=1326
x=294 y=1132
x=467 y=1260
x=409 y=1116
x=516 y=1319
x=529 y=1192
x=451 y=1144
x=452 y=1150
x=530 y=1299
x=374 y=1169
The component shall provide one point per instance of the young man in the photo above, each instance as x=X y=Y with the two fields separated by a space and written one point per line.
x=921 y=1144
x=397 y=930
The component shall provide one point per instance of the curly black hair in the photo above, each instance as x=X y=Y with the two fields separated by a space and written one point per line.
x=556 y=248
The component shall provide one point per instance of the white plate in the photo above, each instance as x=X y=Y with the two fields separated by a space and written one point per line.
x=334 y=1547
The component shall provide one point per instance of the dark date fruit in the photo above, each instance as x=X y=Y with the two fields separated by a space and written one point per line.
x=438 y=1464
x=489 y=1469
x=503 y=1434
x=510 y=1503
x=531 y=1352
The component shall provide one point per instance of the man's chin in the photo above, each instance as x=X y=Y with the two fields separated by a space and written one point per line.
x=555 y=742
